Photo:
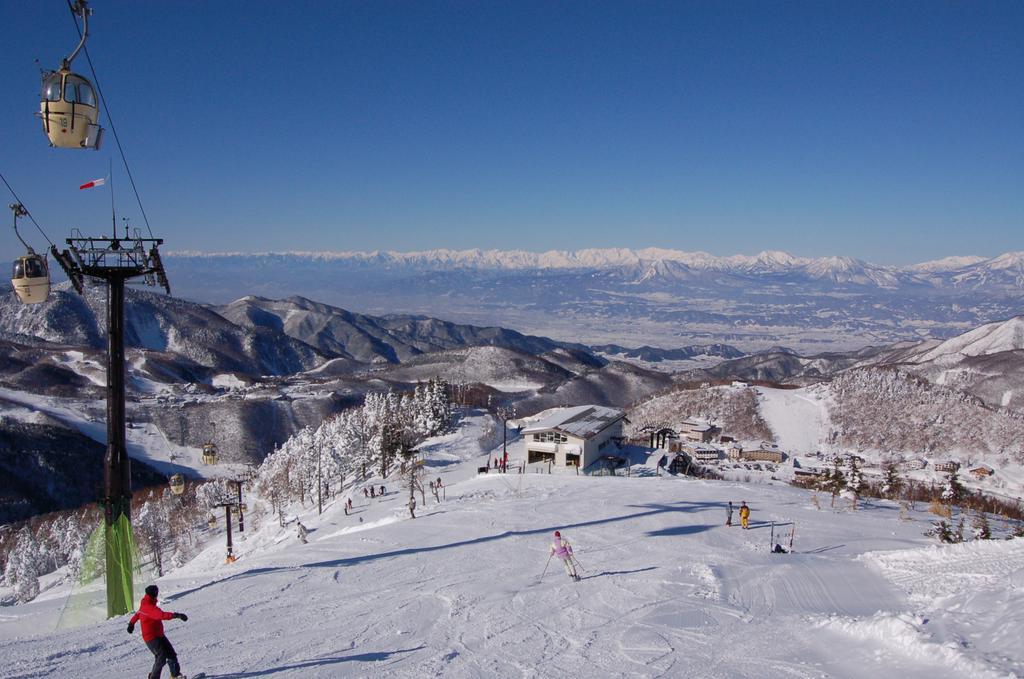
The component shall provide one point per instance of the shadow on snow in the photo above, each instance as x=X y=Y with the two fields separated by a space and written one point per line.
x=316 y=662
x=638 y=570
x=651 y=510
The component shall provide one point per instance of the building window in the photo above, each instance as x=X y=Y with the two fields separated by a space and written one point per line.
x=550 y=437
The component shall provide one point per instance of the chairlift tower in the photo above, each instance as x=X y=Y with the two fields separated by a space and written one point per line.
x=115 y=261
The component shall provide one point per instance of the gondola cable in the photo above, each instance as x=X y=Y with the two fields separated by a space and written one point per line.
x=28 y=214
x=110 y=121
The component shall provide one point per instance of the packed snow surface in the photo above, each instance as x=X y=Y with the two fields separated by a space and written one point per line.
x=666 y=591
x=798 y=417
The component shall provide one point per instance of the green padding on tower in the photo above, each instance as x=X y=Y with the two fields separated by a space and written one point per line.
x=120 y=564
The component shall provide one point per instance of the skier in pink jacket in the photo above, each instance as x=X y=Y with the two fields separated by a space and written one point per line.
x=563 y=550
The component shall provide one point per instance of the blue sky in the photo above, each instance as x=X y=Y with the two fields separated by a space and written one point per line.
x=892 y=131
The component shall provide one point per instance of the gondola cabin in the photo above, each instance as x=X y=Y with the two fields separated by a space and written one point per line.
x=210 y=453
x=30 y=278
x=70 y=111
x=177 y=484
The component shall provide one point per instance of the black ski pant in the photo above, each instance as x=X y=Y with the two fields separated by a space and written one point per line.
x=163 y=653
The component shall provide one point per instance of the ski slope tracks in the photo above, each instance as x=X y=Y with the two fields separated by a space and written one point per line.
x=666 y=591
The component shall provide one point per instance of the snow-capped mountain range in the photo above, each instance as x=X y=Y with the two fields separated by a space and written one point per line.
x=651 y=296
x=960 y=270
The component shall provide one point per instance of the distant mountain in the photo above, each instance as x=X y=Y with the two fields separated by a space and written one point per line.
x=392 y=339
x=1006 y=271
x=656 y=355
x=157 y=323
x=504 y=369
x=991 y=338
x=618 y=385
x=986 y=362
x=667 y=298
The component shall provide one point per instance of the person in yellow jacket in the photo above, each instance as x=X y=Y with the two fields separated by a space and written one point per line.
x=744 y=514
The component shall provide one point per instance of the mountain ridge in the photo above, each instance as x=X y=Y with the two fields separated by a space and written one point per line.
x=764 y=261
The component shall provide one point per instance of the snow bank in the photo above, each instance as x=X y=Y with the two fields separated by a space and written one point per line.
x=939 y=571
x=904 y=633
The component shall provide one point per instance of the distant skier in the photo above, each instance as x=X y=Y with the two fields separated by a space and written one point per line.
x=744 y=515
x=563 y=550
x=153 y=634
x=302 y=532
x=373 y=491
x=728 y=515
x=412 y=506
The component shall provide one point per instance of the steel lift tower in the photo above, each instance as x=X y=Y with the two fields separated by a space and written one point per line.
x=115 y=261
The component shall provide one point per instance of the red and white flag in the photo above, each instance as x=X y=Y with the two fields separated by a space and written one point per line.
x=95 y=182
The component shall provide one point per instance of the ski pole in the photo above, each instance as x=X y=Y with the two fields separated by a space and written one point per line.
x=546 y=566
x=577 y=562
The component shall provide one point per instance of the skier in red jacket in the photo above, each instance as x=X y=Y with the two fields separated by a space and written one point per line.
x=153 y=634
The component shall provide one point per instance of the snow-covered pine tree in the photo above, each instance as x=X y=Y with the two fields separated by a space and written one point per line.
x=835 y=482
x=213 y=493
x=360 y=432
x=24 y=565
x=439 y=406
x=152 y=526
x=75 y=539
x=953 y=492
x=941 y=531
x=892 y=482
x=336 y=451
x=391 y=431
x=855 y=480
x=980 y=526
x=272 y=481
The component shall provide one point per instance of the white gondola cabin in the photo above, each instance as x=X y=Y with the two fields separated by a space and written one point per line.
x=68 y=105
x=209 y=453
x=30 y=277
x=30 y=273
x=177 y=484
x=70 y=111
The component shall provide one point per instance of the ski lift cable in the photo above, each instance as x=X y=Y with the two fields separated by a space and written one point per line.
x=110 y=121
x=29 y=213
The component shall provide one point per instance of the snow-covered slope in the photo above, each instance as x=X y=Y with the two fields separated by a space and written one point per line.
x=797 y=417
x=991 y=338
x=666 y=590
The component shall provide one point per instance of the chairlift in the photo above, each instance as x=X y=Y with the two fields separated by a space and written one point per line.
x=69 y=107
x=30 y=274
x=177 y=484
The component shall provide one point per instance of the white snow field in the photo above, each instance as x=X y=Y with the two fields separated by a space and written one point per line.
x=666 y=591
x=798 y=417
